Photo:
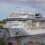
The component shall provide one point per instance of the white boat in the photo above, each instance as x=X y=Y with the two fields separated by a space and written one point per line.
x=25 y=24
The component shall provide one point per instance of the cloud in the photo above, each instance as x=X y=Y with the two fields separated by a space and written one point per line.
x=35 y=1
x=10 y=1
x=25 y=1
x=38 y=3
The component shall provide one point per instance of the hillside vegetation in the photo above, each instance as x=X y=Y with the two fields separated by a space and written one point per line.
x=3 y=41
x=2 y=23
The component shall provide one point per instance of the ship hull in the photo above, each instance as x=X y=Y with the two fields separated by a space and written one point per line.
x=22 y=32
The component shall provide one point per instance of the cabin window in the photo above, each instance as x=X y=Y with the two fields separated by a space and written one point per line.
x=36 y=14
x=38 y=24
x=0 y=31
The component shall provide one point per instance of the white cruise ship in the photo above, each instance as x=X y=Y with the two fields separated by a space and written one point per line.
x=25 y=24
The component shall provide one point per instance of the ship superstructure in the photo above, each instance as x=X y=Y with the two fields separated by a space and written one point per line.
x=24 y=23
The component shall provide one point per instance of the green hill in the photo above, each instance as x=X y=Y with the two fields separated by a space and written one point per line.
x=2 y=23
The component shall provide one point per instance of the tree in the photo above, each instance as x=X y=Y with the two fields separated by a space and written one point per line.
x=2 y=23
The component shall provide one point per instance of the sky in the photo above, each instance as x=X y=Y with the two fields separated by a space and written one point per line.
x=12 y=6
